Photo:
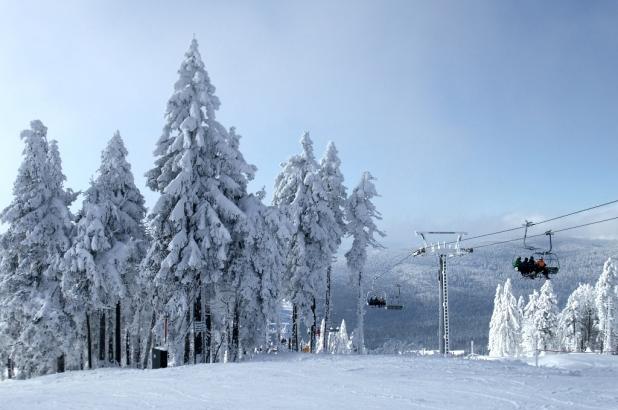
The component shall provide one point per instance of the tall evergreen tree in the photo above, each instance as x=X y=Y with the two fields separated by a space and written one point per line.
x=530 y=335
x=332 y=178
x=607 y=302
x=302 y=197
x=102 y=263
x=361 y=215
x=494 y=323
x=579 y=320
x=32 y=307
x=506 y=324
x=257 y=272
x=545 y=318
x=200 y=176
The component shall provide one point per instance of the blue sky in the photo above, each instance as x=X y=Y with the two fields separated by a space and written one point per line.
x=471 y=114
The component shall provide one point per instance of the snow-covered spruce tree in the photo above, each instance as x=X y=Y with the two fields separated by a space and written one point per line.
x=200 y=178
x=257 y=269
x=579 y=320
x=332 y=178
x=545 y=318
x=301 y=196
x=361 y=215
x=606 y=290
x=530 y=336
x=506 y=324
x=339 y=343
x=494 y=347
x=33 y=310
x=101 y=267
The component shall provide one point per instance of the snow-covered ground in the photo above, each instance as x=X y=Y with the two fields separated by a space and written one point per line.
x=342 y=382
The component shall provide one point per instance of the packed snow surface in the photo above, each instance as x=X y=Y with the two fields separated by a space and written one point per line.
x=583 y=381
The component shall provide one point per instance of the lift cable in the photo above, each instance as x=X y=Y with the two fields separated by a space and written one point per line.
x=469 y=238
x=545 y=233
x=390 y=268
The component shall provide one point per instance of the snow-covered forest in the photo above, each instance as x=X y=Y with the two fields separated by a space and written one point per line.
x=202 y=275
x=585 y=324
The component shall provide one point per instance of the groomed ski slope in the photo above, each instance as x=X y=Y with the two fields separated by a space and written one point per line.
x=341 y=382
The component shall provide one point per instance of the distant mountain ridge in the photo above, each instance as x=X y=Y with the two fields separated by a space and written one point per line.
x=472 y=283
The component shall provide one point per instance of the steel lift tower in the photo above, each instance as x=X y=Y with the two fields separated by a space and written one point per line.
x=444 y=249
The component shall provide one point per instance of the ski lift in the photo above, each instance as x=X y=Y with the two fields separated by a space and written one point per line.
x=541 y=262
x=376 y=300
x=396 y=300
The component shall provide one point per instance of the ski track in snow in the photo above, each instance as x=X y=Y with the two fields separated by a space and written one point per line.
x=291 y=381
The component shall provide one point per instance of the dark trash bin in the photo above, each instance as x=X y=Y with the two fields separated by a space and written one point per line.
x=159 y=358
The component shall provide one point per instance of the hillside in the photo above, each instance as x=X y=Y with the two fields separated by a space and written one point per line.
x=473 y=280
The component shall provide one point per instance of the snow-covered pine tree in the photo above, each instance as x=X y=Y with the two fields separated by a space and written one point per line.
x=32 y=308
x=579 y=320
x=494 y=347
x=332 y=178
x=505 y=329
x=545 y=318
x=530 y=336
x=606 y=290
x=101 y=267
x=301 y=196
x=339 y=342
x=361 y=215
x=200 y=178
x=257 y=270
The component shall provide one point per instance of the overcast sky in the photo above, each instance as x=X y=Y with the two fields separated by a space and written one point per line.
x=472 y=114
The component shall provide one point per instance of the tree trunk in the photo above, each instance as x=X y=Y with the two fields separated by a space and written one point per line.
x=327 y=308
x=110 y=339
x=149 y=340
x=295 y=346
x=9 y=367
x=60 y=364
x=127 y=344
x=197 y=336
x=102 y=337
x=360 y=316
x=589 y=330
x=136 y=339
x=118 y=348
x=235 y=348
x=314 y=326
x=187 y=352
x=208 y=349
x=89 y=341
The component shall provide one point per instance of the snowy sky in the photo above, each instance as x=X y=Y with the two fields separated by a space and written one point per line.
x=471 y=114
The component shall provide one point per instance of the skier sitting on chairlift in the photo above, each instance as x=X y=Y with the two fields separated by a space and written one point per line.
x=541 y=267
x=526 y=268
x=377 y=301
x=517 y=264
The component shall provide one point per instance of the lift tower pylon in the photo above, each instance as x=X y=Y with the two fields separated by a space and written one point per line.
x=444 y=250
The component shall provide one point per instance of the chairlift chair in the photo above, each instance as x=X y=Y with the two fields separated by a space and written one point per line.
x=396 y=301
x=552 y=263
x=376 y=300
